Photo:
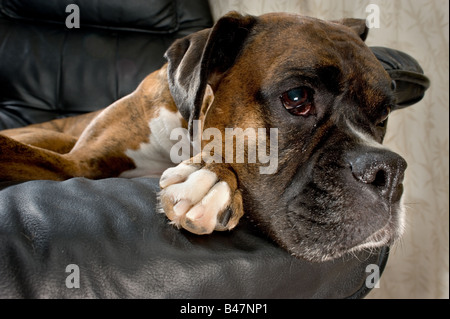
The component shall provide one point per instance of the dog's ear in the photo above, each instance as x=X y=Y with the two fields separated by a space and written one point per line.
x=201 y=59
x=358 y=25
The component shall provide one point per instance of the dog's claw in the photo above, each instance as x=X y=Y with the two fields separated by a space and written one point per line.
x=225 y=217
x=195 y=199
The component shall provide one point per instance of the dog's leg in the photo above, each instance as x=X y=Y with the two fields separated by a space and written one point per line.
x=59 y=135
x=38 y=151
x=19 y=161
x=99 y=152
x=50 y=140
x=201 y=198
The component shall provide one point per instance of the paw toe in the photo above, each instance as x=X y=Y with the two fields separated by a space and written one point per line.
x=198 y=202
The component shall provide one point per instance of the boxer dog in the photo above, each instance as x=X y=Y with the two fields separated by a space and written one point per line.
x=335 y=189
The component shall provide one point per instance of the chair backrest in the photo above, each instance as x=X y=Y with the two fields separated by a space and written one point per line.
x=49 y=68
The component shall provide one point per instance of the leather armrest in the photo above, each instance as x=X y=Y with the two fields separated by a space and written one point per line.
x=411 y=83
x=111 y=230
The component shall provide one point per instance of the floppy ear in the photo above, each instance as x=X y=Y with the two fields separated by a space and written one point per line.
x=201 y=59
x=358 y=25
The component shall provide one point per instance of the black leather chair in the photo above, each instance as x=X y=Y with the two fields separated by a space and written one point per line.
x=109 y=229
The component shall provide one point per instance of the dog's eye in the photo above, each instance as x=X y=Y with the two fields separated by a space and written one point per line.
x=298 y=101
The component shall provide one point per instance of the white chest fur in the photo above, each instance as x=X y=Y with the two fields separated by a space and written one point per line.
x=153 y=158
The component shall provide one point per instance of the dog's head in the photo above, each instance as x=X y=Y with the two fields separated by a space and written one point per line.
x=336 y=188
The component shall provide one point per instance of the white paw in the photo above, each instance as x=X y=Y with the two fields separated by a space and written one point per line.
x=193 y=198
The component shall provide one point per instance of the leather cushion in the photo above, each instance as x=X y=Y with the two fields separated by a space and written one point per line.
x=411 y=83
x=48 y=71
x=124 y=248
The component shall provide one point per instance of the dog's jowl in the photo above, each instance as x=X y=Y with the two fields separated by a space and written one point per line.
x=334 y=188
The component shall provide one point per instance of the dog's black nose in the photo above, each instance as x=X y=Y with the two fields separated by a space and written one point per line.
x=382 y=169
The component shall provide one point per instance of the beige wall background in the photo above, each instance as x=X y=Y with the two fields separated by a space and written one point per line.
x=418 y=265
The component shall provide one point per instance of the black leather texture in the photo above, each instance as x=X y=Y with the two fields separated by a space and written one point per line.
x=154 y=16
x=48 y=71
x=410 y=81
x=124 y=248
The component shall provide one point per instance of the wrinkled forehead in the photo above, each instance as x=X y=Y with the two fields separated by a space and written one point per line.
x=311 y=28
x=308 y=40
x=298 y=44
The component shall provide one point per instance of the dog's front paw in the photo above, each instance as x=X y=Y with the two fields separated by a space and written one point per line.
x=199 y=199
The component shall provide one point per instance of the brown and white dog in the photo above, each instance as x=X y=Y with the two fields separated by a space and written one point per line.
x=335 y=188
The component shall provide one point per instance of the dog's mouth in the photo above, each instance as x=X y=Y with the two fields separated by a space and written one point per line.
x=385 y=236
x=328 y=241
x=381 y=238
